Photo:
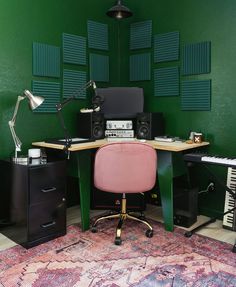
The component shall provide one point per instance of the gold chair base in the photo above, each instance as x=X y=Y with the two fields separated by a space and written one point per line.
x=122 y=217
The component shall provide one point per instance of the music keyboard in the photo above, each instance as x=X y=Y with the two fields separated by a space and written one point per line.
x=229 y=220
x=199 y=157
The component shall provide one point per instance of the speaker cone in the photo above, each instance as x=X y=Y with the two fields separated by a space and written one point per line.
x=143 y=131
x=97 y=132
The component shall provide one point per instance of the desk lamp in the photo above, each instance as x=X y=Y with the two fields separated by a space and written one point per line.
x=34 y=102
x=68 y=140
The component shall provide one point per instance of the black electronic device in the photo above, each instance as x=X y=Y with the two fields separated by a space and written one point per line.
x=121 y=102
x=91 y=125
x=150 y=125
x=185 y=206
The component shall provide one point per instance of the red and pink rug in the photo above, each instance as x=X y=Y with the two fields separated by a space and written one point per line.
x=85 y=259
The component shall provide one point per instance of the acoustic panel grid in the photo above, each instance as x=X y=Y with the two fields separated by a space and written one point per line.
x=51 y=93
x=46 y=60
x=99 y=67
x=166 y=47
x=196 y=58
x=140 y=67
x=74 y=49
x=196 y=95
x=141 y=35
x=166 y=82
x=72 y=83
x=97 y=35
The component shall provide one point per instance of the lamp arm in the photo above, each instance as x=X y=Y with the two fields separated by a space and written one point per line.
x=16 y=140
x=11 y=124
x=76 y=93
x=19 y=99
x=61 y=105
x=66 y=133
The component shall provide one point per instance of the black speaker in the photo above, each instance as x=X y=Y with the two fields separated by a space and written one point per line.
x=149 y=125
x=91 y=125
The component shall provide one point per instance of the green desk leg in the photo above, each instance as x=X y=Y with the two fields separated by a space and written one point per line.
x=165 y=178
x=84 y=175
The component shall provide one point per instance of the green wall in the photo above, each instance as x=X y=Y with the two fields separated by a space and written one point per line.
x=202 y=20
x=22 y=23
x=43 y=21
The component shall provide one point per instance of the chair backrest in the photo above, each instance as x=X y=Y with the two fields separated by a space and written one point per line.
x=125 y=167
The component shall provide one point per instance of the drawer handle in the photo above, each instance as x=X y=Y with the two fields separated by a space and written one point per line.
x=49 y=189
x=48 y=224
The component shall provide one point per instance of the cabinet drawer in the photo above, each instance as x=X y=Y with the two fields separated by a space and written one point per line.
x=46 y=219
x=47 y=182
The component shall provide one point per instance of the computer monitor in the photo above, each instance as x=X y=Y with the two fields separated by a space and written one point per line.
x=121 y=102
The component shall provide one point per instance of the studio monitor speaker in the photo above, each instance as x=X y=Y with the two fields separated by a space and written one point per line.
x=91 y=125
x=149 y=125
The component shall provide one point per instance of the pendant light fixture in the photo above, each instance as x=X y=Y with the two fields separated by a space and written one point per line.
x=119 y=11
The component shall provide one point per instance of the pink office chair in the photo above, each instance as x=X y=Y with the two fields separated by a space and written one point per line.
x=125 y=167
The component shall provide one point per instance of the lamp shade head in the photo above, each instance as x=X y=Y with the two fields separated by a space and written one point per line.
x=119 y=11
x=34 y=101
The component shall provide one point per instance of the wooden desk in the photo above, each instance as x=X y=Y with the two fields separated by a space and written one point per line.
x=170 y=164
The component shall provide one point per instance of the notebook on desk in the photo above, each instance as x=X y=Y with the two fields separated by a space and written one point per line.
x=72 y=141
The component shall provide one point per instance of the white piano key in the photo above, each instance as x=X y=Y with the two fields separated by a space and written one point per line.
x=228 y=220
x=219 y=160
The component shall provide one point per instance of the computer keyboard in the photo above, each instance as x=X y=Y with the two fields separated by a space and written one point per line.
x=113 y=139
x=164 y=139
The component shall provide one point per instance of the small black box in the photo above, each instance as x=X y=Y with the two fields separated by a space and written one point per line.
x=185 y=206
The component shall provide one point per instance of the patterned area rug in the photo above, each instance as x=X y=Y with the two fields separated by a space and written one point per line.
x=85 y=259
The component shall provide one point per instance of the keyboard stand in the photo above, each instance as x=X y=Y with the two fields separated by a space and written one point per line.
x=213 y=219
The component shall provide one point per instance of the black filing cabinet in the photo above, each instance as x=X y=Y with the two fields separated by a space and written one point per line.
x=37 y=201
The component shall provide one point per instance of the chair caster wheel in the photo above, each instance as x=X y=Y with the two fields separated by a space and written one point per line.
x=234 y=248
x=117 y=241
x=188 y=234
x=94 y=229
x=149 y=233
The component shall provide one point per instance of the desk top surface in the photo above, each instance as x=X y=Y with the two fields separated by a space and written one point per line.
x=168 y=146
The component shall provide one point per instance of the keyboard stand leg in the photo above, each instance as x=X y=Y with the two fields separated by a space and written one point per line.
x=190 y=233
x=234 y=248
x=213 y=219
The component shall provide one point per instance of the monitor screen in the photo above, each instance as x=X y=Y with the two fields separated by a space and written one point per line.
x=121 y=102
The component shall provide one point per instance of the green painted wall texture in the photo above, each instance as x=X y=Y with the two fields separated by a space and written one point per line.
x=24 y=22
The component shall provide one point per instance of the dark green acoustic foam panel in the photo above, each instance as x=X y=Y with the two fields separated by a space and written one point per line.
x=99 y=67
x=140 y=67
x=46 y=60
x=72 y=83
x=51 y=93
x=141 y=35
x=166 y=47
x=196 y=95
x=74 y=49
x=196 y=58
x=166 y=82
x=97 y=35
